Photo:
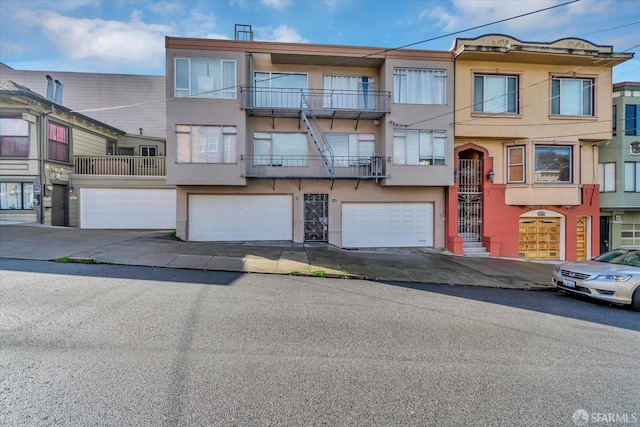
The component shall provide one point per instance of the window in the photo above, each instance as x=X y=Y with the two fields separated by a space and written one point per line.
x=515 y=168
x=572 y=97
x=279 y=89
x=148 y=151
x=58 y=142
x=280 y=149
x=419 y=147
x=632 y=177
x=631 y=120
x=349 y=92
x=495 y=94
x=14 y=138
x=206 y=144
x=352 y=149
x=552 y=164
x=419 y=86
x=205 y=78
x=607 y=177
x=630 y=234
x=16 y=195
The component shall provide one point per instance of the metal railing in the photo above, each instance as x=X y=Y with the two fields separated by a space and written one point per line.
x=284 y=166
x=121 y=165
x=318 y=99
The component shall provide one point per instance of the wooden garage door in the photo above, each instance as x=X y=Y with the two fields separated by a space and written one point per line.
x=540 y=238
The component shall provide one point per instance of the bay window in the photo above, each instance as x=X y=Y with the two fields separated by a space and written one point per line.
x=516 y=164
x=206 y=144
x=419 y=147
x=419 y=86
x=58 y=143
x=14 y=138
x=280 y=149
x=572 y=97
x=495 y=94
x=553 y=164
x=205 y=78
x=632 y=177
x=631 y=120
x=607 y=177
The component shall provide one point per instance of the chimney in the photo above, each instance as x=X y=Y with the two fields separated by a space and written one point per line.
x=58 y=96
x=49 y=94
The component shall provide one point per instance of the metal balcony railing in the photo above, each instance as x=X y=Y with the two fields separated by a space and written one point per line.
x=282 y=166
x=121 y=165
x=287 y=102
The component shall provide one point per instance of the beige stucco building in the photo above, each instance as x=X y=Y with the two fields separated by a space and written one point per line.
x=278 y=141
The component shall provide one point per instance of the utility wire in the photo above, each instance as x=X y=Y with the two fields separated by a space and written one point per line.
x=349 y=59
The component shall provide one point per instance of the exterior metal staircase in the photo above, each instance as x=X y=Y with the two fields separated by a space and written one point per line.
x=323 y=147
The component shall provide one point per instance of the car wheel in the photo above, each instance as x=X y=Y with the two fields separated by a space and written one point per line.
x=635 y=300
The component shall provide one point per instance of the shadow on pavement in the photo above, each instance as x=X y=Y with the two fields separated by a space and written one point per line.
x=551 y=302
x=193 y=277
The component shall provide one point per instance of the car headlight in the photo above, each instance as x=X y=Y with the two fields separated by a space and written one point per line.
x=613 y=278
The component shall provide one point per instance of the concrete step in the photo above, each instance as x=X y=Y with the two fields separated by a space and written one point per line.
x=475 y=249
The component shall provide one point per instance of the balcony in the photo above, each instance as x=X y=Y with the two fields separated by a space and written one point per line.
x=313 y=167
x=121 y=165
x=332 y=104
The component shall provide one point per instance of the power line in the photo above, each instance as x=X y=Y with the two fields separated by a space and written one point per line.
x=349 y=59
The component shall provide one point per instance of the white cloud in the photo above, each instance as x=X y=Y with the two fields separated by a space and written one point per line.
x=111 y=43
x=283 y=33
x=473 y=13
x=166 y=7
x=276 y=4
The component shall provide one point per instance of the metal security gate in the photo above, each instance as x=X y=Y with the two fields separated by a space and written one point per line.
x=316 y=217
x=470 y=199
x=605 y=234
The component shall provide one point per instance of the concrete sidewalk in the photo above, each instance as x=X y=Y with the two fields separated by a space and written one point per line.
x=160 y=249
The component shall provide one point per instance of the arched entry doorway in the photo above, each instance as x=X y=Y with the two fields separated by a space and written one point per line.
x=470 y=196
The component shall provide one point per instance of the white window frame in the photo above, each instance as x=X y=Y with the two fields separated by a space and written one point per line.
x=632 y=177
x=348 y=92
x=271 y=149
x=16 y=195
x=193 y=147
x=496 y=103
x=270 y=90
x=408 y=84
x=15 y=130
x=431 y=147
x=607 y=177
x=511 y=164
x=567 y=101
x=351 y=149
x=227 y=84
x=630 y=234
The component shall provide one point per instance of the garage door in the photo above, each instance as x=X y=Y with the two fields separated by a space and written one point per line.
x=540 y=238
x=128 y=208
x=225 y=218
x=366 y=225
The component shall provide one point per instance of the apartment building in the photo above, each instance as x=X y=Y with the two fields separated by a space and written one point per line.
x=619 y=172
x=530 y=118
x=309 y=143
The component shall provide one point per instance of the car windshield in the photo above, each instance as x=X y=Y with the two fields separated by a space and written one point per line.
x=621 y=256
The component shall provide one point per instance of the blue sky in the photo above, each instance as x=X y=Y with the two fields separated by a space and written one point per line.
x=127 y=36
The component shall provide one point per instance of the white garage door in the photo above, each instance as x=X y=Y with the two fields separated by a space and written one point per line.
x=224 y=218
x=366 y=225
x=128 y=208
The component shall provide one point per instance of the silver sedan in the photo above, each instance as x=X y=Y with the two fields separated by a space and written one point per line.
x=613 y=276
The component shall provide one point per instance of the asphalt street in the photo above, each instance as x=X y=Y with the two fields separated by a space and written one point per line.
x=124 y=345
